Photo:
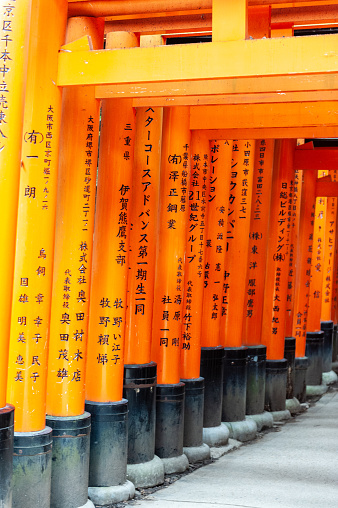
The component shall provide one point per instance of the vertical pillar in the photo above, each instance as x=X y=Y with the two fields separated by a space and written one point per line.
x=238 y=229
x=315 y=337
x=292 y=403
x=302 y=281
x=229 y=20
x=71 y=282
x=256 y=266
x=105 y=352
x=212 y=353
x=274 y=307
x=140 y=373
x=169 y=280
x=329 y=376
x=34 y=258
x=15 y=23
x=193 y=299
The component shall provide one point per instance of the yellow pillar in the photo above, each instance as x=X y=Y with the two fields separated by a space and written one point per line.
x=15 y=22
x=36 y=219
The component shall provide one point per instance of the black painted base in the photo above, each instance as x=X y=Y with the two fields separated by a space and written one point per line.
x=212 y=372
x=140 y=391
x=314 y=353
x=275 y=385
x=289 y=355
x=108 y=443
x=255 y=388
x=335 y=343
x=193 y=412
x=301 y=365
x=32 y=469
x=169 y=420
x=327 y=328
x=6 y=454
x=234 y=384
x=70 y=460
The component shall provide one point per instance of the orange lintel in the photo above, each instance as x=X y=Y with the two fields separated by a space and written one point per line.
x=318 y=158
x=326 y=188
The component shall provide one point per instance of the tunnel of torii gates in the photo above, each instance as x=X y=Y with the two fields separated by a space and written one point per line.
x=168 y=208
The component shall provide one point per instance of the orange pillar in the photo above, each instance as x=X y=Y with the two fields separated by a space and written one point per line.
x=15 y=22
x=216 y=241
x=71 y=278
x=193 y=279
x=274 y=308
x=238 y=228
x=258 y=239
x=315 y=298
x=303 y=262
x=105 y=356
x=294 y=210
x=32 y=285
x=36 y=218
x=169 y=283
x=73 y=238
x=171 y=247
x=329 y=258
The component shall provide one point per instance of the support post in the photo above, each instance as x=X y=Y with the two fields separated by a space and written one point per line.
x=34 y=258
x=105 y=356
x=169 y=280
x=193 y=444
x=71 y=282
x=215 y=433
x=144 y=469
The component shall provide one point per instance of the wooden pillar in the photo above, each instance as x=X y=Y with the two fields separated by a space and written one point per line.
x=303 y=262
x=105 y=356
x=36 y=219
x=315 y=298
x=238 y=228
x=216 y=241
x=329 y=258
x=258 y=240
x=274 y=308
x=15 y=22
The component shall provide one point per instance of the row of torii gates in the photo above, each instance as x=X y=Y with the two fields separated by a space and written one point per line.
x=191 y=279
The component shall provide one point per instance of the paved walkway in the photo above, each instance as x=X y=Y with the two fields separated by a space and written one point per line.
x=296 y=467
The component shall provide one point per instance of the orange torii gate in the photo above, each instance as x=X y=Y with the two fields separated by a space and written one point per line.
x=232 y=94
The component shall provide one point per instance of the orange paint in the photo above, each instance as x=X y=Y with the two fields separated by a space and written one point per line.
x=258 y=240
x=329 y=255
x=317 y=263
x=171 y=246
x=146 y=183
x=238 y=229
x=105 y=350
x=195 y=258
x=294 y=210
x=216 y=241
x=36 y=220
x=303 y=261
x=274 y=307
x=73 y=238
x=15 y=22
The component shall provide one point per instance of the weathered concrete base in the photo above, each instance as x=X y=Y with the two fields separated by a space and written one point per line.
x=293 y=405
x=313 y=390
x=217 y=452
x=146 y=474
x=216 y=436
x=175 y=464
x=280 y=416
x=246 y=430
x=89 y=504
x=263 y=420
x=329 y=378
x=106 y=496
x=197 y=453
